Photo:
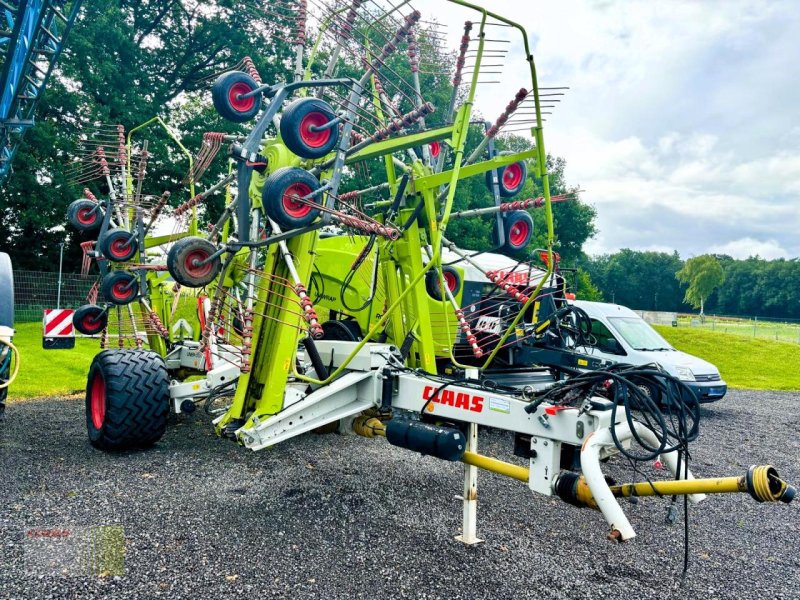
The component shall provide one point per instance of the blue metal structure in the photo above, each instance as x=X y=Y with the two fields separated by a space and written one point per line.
x=32 y=36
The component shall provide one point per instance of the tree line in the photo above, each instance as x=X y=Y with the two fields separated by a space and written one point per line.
x=647 y=281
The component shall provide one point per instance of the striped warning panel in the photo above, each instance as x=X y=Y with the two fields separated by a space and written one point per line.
x=58 y=322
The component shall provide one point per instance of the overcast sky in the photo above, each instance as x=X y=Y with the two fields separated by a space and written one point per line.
x=682 y=123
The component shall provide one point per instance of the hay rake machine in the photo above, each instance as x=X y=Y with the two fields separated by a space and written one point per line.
x=349 y=309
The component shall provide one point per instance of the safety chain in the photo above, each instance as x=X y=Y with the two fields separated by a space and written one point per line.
x=162 y=202
x=410 y=20
x=471 y=339
x=302 y=13
x=250 y=69
x=462 y=54
x=510 y=108
x=309 y=314
x=402 y=122
x=189 y=204
x=350 y=19
x=498 y=279
x=247 y=340
x=413 y=52
x=157 y=325
x=101 y=157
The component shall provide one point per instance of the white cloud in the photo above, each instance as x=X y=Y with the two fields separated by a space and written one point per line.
x=681 y=122
x=747 y=247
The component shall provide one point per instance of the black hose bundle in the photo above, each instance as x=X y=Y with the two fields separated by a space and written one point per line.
x=630 y=387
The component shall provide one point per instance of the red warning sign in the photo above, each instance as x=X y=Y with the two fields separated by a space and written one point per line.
x=58 y=322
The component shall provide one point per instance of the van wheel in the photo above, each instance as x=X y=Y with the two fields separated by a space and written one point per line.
x=651 y=391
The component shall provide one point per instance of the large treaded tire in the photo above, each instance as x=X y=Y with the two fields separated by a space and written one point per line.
x=133 y=388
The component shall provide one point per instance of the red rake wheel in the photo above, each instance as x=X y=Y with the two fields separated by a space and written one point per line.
x=118 y=245
x=310 y=132
x=84 y=215
x=90 y=319
x=282 y=195
x=435 y=148
x=519 y=231
x=302 y=128
x=228 y=94
x=120 y=287
x=292 y=205
x=190 y=264
x=511 y=179
x=452 y=279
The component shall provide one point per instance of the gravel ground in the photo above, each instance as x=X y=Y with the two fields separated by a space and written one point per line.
x=346 y=517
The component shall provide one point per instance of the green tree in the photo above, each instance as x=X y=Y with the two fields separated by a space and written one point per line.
x=586 y=289
x=640 y=280
x=703 y=274
x=126 y=62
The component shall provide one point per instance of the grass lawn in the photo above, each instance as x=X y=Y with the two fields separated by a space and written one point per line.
x=744 y=362
x=50 y=372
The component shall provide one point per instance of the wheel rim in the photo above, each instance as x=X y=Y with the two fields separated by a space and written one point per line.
x=518 y=234
x=120 y=247
x=195 y=270
x=451 y=281
x=121 y=291
x=314 y=139
x=90 y=323
x=512 y=176
x=86 y=216
x=435 y=148
x=238 y=103
x=97 y=401
x=292 y=204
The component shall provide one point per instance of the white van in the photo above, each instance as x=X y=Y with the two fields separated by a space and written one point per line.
x=624 y=337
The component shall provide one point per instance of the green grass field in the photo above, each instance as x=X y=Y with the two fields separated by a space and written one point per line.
x=758 y=364
x=771 y=330
x=50 y=372
x=744 y=362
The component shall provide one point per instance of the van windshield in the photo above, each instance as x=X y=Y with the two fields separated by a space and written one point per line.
x=639 y=334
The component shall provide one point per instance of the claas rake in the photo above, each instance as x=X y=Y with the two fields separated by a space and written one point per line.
x=327 y=295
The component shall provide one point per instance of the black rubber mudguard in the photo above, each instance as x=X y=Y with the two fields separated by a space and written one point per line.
x=6 y=291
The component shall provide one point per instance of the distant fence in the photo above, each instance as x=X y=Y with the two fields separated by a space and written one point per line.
x=657 y=317
x=784 y=330
x=36 y=290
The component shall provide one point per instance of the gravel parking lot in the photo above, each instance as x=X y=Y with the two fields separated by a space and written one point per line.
x=346 y=517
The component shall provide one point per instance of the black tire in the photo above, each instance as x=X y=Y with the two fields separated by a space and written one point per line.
x=90 y=319
x=120 y=287
x=183 y=258
x=225 y=94
x=278 y=197
x=6 y=291
x=518 y=227
x=511 y=179
x=296 y=123
x=346 y=330
x=127 y=399
x=451 y=277
x=118 y=245
x=85 y=215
